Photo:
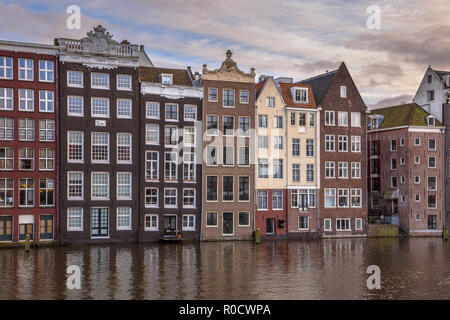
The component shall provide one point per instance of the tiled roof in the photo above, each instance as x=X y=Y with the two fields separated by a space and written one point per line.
x=287 y=97
x=320 y=84
x=259 y=86
x=151 y=74
x=410 y=114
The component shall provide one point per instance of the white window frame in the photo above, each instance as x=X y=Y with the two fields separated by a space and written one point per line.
x=76 y=144
x=26 y=68
x=81 y=185
x=121 y=145
x=190 y=219
x=147 y=196
x=331 y=119
x=47 y=70
x=194 y=110
x=129 y=216
x=69 y=228
x=176 y=198
x=75 y=85
x=95 y=113
x=99 y=86
x=105 y=174
x=75 y=114
x=120 y=106
x=7 y=96
x=152 y=162
x=124 y=88
x=150 y=127
x=125 y=185
x=342 y=118
x=331 y=194
x=356 y=168
x=28 y=97
x=102 y=144
x=193 y=206
x=4 y=67
x=343 y=92
x=150 y=104
x=153 y=217
x=48 y=99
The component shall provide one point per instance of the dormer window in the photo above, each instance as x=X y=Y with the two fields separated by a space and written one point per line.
x=431 y=121
x=300 y=95
x=166 y=78
x=343 y=92
x=374 y=124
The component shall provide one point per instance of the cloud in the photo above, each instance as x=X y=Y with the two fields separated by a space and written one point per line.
x=389 y=102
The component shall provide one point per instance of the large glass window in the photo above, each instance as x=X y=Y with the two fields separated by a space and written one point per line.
x=6 y=192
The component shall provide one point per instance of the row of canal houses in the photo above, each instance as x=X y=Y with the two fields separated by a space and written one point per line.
x=99 y=145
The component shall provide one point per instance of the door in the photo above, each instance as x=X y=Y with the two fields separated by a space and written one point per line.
x=228 y=223
x=99 y=222
x=170 y=226
x=46 y=227
x=270 y=226
x=6 y=229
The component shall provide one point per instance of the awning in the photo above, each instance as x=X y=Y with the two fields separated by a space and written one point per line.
x=391 y=194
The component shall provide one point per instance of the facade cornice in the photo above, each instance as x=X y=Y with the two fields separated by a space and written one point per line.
x=171 y=92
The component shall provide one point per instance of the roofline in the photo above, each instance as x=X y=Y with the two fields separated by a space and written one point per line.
x=318 y=76
x=405 y=127
x=29 y=45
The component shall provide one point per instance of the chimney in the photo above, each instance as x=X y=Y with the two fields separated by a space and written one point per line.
x=196 y=76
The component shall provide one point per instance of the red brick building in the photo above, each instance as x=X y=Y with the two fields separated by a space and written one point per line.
x=405 y=169
x=28 y=142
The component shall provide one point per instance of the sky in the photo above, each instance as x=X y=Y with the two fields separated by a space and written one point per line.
x=291 y=38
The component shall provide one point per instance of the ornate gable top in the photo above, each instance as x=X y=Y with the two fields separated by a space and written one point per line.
x=229 y=71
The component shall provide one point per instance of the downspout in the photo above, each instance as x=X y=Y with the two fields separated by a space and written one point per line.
x=319 y=163
x=445 y=173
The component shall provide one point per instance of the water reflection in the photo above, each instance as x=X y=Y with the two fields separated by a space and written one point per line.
x=326 y=269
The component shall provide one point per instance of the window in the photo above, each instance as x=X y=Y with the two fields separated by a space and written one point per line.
x=402 y=142
x=295 y=172
x=189 y=198
x=327 y=224
x=295 y=147
x=356 y=198
x=278 y=168
x=278 y=122
x=402 y=161
x=343 y=143
x=329 y=118
x=277 y=200
x=228 y=188
x=26 y=129
x=212 y=156
x=403 y=198
x=152 y=134
x=432 y=183
x=75 y=186
x=244 y=219
x=270 y=102
x=189 y=137
x=188 y=222
x=190 y=112
x=356 y=143
x=342 y=118
x=417 y=197
x=301 y=95
x=310 y=172
x=416 y=159
x=46 y=130
x=343 y=92
x=99 y=222
x=309 y=147
x=278 y=142
x=212 y=95
x=46 y=192
x=26 y=192
x=262 y=199
x=26 y=69
x=75 y=146
x=166 y=79
x=6 y=128
x=170 y=165
x=26 y=159
x=152 y=110
x=6 y=99
x=302 y=119
x=228 y=125
x=124 y=186
x=170 y=197
x=402 y=179
x=75 y=106
x=6 y=158
x=329 y=143
x=46 y=159
x=430 y=95
x=263 y=168
x=75 y=79
x=46 y=71
x=343 y=170
x=124 y=148
x=312 y=119
x=244 y=126
x=343 y=224
x=393 y=145
x=100 y=186
x=211 y=219
x=100 y=147
x=151 y=222
x=431 y=144
x=171 y=112
x=303 y=223
x=244 y=156
x=263 y=142
x=394 y=182
x=243 y=96
x=418 y=217
x=123 y=82
x=432 y=162
x=189 y=166
x=330 y=198
x=123 y=218
x=151 y=197
x=330 y=169
x=151 y=165
x=124 y=108
x=429 y=78
x=293 y=119
x=417 y=141
x=26 y=100
x=431 y=121
x=46 y=101
x=393 y=164
x=171 y=136
x=244 y=188
x=432 y=203
x=6 y=68
x=100 y=81
x=211 y=185
x=75 y=219
x=100 y=107
x=356 y=170
x=432 y=221
x=228 y=97
x=212 y=125
x=6 y=192
x=356 y=119
x=262 y=121
x=228 y=156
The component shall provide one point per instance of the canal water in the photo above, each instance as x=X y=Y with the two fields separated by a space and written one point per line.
x=316 y=269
